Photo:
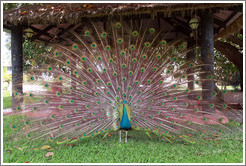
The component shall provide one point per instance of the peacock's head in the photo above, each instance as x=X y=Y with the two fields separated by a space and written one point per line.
x=124 y=101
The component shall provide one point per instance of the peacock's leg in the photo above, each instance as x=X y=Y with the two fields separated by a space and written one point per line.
x=126 y=138
x=120 y=135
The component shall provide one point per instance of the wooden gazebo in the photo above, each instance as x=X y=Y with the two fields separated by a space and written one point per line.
x=51 y=22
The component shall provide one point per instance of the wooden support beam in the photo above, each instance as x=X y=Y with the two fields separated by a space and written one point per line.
x=17 y=65
x=186 y=32
x=233 y=55
x=65 y=30
x=207 y=57
x=230 y=17
x=220 y=23
x=235 y=40
x=44 y=30
x=234 y=27
x=43 y=40
x=45 y=33
x=184 y=25
x=41 y=32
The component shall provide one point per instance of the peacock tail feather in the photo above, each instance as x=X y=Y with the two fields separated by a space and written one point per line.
x=94 y=71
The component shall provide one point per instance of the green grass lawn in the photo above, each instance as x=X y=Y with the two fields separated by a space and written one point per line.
x=139 y=149
x=229 y=88
x=7 y=99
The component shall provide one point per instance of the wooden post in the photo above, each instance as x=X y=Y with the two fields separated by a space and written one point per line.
x=17 y=64
x=207 y=56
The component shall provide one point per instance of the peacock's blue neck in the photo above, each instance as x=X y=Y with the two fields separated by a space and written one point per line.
x=125 y=123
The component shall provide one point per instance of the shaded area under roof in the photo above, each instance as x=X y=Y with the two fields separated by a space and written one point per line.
x=51 y=22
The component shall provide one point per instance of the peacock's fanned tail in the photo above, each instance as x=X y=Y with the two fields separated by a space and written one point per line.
x=78 y=94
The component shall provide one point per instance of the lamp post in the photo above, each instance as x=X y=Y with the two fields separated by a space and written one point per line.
x=194 y=23
x=28 y=33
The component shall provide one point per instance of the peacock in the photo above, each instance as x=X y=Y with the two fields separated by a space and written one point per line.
x=123 y=77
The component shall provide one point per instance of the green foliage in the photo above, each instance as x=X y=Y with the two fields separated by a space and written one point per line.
x=7 y=99
x=225 y=71
x=32 y=52
x=240 y=36
x=10 y=6
x=6 y=76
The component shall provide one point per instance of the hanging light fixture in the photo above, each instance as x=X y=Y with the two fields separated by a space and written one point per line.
x=194 y=23
x=28 y=33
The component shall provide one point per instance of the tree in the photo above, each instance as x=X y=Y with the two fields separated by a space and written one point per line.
x=10 y=6
x=6 y=76
x=31 y=52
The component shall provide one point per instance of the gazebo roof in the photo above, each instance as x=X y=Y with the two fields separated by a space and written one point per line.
x=52 y=20
x=73 y=12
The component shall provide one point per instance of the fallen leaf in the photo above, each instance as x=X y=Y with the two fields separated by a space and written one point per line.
x=24 y=12
x=109 y=135
x=18 y=148
x=217 y=139
x=33 y=149
x=70 y=145
x=45 y=147
x=49 y=154
x=10 y=151
x=27 y=162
